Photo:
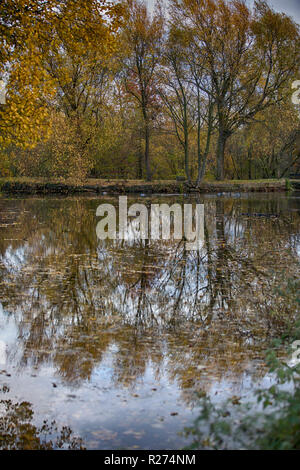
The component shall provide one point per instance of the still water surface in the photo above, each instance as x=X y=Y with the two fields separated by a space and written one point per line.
x=115 y=339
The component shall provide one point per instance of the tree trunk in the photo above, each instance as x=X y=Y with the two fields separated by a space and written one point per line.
x=186 y=142
x=221 y=154
x=186 y=160
x=250 y=163
x=147 y=151
x=140 y=161
x=201 y=168
x=140 y=166
x=201 y=165
x=202 y=158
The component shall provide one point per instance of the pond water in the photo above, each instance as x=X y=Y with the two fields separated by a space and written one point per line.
x=112 y=341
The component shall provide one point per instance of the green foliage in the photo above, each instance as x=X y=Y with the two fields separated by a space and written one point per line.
x=210 y=176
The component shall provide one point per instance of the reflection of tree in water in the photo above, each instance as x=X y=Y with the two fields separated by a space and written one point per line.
x=17 y=432
x=75 y=298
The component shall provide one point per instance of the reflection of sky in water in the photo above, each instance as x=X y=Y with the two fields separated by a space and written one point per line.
x=110 y=416
x=15 y=258
x=97 y=336
x=8 y=330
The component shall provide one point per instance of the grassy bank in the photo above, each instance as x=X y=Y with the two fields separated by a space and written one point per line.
x=100 y=186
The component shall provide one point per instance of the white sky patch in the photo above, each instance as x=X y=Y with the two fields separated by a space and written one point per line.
x=291 y=7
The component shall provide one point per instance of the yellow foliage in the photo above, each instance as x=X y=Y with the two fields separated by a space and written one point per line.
x=30 y=31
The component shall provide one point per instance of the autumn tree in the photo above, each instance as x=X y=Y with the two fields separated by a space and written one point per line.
x=142 y=36
x=183 y=77
x=23 y=117
x=176 y=92
x=249 y=57
x=279 y=130
x=80 y=67
x=47 y=44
